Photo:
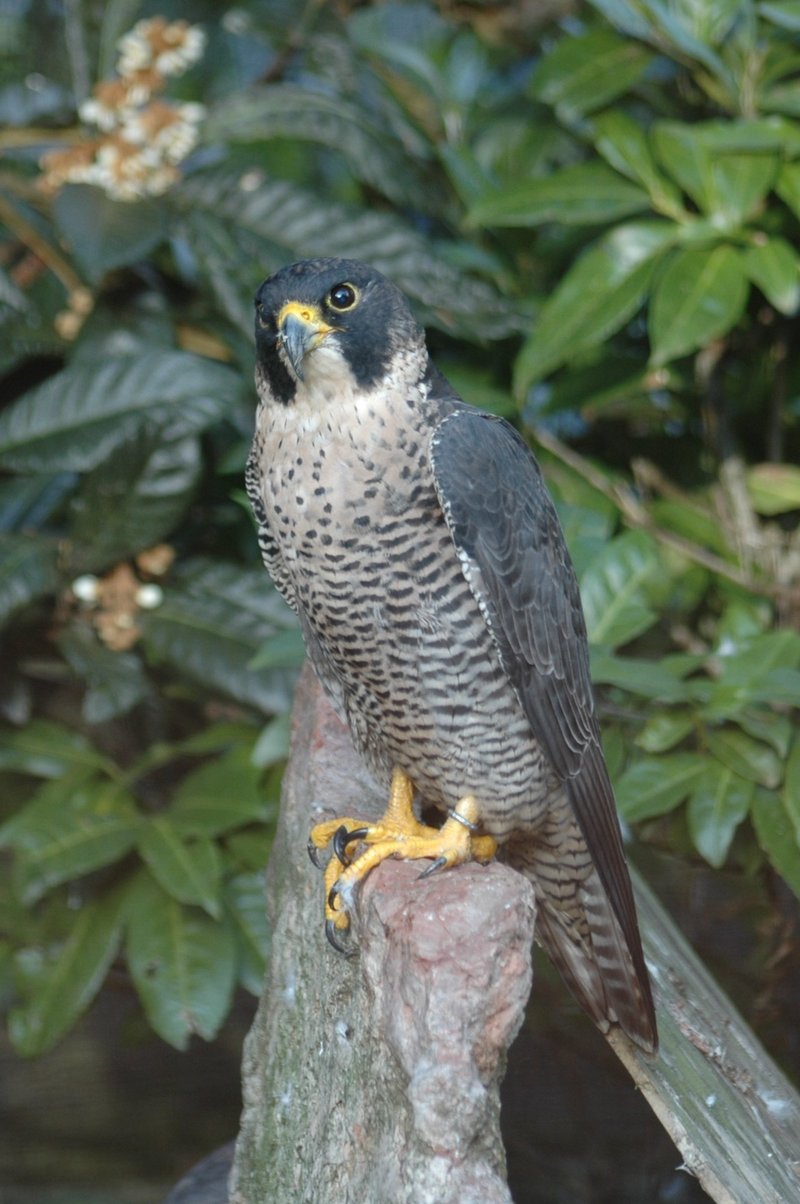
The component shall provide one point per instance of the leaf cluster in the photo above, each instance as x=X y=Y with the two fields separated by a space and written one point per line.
x=598 y=223
x=177 y=891
x=702 y=737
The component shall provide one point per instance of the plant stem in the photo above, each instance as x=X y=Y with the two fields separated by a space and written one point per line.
x=76 y=49
x=53 y=259
x=634 y=514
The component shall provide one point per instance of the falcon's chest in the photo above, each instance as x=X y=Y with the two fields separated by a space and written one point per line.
x=347 y=491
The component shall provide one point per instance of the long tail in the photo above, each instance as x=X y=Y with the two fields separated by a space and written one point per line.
x=577 y=928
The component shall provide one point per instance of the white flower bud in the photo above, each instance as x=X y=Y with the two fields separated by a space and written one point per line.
x=85 y=588
x=148 y=597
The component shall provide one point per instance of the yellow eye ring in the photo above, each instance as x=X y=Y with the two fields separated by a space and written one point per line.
x=342 y=297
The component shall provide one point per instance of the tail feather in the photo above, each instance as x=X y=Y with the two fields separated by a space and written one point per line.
x=577 y=928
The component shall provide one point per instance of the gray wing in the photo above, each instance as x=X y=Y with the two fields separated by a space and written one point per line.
x=509 y=539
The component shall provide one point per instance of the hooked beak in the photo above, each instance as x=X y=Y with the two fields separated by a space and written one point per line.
x=301 y=328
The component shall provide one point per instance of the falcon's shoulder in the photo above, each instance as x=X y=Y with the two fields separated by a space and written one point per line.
x=268 y=545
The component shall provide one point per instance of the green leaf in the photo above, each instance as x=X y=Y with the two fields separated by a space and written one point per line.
x=670 y=29
x=103 y=233
x=188 y=869
x=614 y=750
x=585 y=72
x=623 y=143
x=778 y=687
x=210 y=625
x=288 y=110
x=143 y=488
x=272 y=746
x=763 y=724
x=71 y=982
x=28 y=570
x=774 y=488
x=692 y=521
x=719 y=802
x=10 y=295
x=183 y=965
x=741 y=621
x=626 y=17
x=228 y=260
x=79 y=416
x=221 y=795
x=118 y=16
x=115 y=681
x=727 y=168
x=477 y=387
x=250 y=849
x=664 y=730
x=787 y=186
x=47 y=750
x=686 y=159
x=648 y=679
x=586 y=194
x=571 y=489
x=785 y=13
x=748 y=660
x=246 y=906
x=28 y=503
x=601 y=291
x=655 y=785
x=614 y=589
x=742 y=135
x=257 y=225
x=756 y=669
x=740 y=183
x=284 y=650
x=414 y=40
x=700 y=295
x=604 y=384
x=709 y=21
x=777 y=836
x=217 y=737
x=791 y=786
x=586 y=531
x=750 y=759
x=70 y=827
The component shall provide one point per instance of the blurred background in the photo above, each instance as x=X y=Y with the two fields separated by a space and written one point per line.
x=595 y=209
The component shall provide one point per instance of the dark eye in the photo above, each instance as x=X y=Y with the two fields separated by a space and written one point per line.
x=342 y=297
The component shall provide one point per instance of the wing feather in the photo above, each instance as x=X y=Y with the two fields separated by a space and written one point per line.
x=509 y=539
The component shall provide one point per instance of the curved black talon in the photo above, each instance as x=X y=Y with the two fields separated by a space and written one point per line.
x=331 y=933
x=342 y=838
x=313 y=853
x=438 y=864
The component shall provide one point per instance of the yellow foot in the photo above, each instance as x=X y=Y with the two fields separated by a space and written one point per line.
x=397 y=834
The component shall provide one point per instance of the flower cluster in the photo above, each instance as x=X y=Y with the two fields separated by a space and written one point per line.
x=142 y=138
x=113 y=602
x=158 y=45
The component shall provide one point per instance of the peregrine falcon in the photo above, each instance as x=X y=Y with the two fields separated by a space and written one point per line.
x=415 y=539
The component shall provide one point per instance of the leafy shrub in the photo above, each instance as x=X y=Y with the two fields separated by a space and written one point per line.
x=611 y=205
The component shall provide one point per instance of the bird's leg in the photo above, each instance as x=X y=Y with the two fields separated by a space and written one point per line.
x=397 y=834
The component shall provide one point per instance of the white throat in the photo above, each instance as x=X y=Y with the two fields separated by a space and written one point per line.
x=327 y=379
x=329 y=388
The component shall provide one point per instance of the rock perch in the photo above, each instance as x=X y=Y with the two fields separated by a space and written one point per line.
x=375 y=1080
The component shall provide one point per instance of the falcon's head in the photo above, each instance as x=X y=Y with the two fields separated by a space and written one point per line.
x=327 y=329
